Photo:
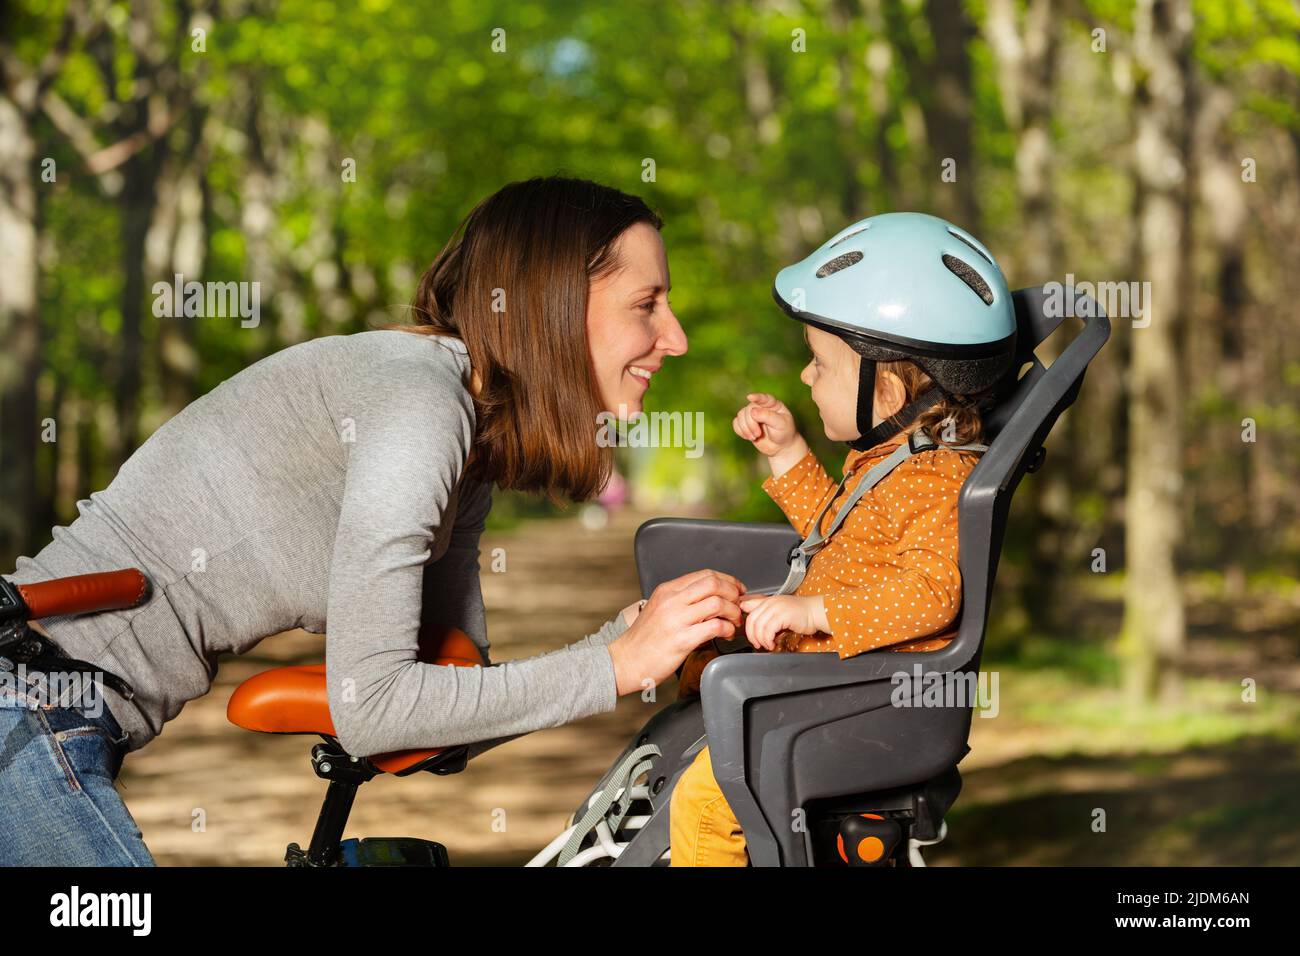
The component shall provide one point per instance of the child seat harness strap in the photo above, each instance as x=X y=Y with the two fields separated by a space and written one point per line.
x=803 y=552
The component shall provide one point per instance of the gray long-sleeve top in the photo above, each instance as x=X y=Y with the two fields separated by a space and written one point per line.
x=319 y=488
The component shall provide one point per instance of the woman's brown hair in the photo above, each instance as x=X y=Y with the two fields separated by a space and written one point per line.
x=966 y=425
x=512 y=284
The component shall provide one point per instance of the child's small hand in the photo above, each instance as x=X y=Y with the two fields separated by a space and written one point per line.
x=769 y=616
x=767 y=423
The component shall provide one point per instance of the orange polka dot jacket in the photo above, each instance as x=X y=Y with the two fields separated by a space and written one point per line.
x=889 y=575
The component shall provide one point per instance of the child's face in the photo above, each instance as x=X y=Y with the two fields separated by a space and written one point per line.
x=833 y=377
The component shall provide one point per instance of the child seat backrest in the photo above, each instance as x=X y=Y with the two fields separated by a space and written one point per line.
x=1029 y=401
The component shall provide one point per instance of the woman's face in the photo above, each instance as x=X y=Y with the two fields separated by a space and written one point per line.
x=630 y=326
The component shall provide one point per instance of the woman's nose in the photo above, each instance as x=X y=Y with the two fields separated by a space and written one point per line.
x=806 y=375
x=672 y=337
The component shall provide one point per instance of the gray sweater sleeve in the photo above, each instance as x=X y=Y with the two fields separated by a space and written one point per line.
x=407 y=446
x=609 y=631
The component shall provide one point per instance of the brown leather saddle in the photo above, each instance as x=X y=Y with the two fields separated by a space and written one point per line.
x=293 y=699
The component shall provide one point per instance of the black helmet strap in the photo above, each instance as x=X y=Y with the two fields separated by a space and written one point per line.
x=870 y=436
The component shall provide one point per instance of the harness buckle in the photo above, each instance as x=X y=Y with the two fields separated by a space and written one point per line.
x=911 y=442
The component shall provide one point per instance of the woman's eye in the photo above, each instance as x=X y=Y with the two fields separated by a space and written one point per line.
x=647 y=307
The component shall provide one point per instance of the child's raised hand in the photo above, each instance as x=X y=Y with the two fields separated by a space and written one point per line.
x=767 y=423
x=769 y=616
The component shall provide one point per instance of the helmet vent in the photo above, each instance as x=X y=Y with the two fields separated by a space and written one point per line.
x=841 y=262
x=978 y=250
x=967 y=275
x=848 y=235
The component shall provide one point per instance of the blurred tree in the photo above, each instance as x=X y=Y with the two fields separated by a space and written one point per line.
x=22 y=88
x=1152 y=642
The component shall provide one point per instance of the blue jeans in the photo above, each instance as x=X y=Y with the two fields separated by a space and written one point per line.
x=58 y=806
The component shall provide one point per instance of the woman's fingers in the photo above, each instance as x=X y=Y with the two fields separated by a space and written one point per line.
x=713 y=606
x=697 y=634
x=698 y=585
x=698 y=596
x=692 y=577
x=707 y=610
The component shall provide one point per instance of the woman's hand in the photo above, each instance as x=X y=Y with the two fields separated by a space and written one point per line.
x=769 y=616
x=767 y=423
x=679 y=616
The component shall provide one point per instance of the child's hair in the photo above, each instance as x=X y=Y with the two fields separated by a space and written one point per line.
x=966 y=428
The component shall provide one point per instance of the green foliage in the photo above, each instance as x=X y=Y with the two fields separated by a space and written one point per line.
x=760 y=152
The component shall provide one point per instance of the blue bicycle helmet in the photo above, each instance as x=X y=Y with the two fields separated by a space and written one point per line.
x=904 y=285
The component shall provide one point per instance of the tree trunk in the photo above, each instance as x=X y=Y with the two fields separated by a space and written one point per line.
x=1152 y=643
x=138 y=196
x=1223 y=198
x=1026 y=49
x=949 y=115
x=178 y=245
x=851 y=203
x=20 y=332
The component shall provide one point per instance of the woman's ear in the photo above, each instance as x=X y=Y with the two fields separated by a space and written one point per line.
x=890 y=396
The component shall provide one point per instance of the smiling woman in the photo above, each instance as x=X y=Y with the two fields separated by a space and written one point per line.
x=341 y=485
x=558 y=288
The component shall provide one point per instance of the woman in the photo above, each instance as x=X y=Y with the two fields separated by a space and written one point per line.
x=347 y=480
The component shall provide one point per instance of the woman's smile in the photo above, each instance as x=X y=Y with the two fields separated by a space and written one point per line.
x=642 y=374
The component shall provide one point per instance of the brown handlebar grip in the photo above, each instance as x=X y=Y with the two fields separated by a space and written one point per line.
x=82 y=593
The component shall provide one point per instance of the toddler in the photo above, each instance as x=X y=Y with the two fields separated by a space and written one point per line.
x=901 y=351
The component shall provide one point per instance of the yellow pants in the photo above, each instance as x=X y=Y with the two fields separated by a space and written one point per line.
x=702 y=829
